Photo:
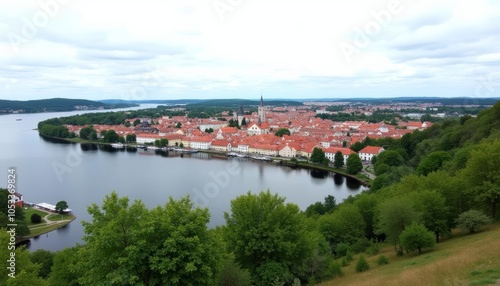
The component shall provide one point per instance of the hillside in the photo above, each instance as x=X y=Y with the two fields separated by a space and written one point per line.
x=55 y=105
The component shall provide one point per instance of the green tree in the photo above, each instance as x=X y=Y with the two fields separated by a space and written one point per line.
x=354 y=164
x=433 y=162
x=137 y=122
x=129 y=245
x=209 y=130
x=66 y=267
x=282 y=131
x=110 y=136
x=344 y=225
x=416 y=236
x=262 y=228
x=472 y=220
x=394 y=215
x=434 y=211
x=338 y=160
x=25 y=272
x=483 y=175
x=318 y=155
x=131 y=138
x=390 y=157
x=36 y=218
x=178 y=125
x=244 y=122
x=45 y=259
x=232 y=274
x=61 y=206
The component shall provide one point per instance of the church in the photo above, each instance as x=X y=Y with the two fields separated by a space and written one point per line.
x=261 y=126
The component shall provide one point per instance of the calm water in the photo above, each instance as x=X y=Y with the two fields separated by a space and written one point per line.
x=84 y=174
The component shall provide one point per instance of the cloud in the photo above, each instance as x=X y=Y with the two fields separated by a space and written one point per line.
x=174 y=49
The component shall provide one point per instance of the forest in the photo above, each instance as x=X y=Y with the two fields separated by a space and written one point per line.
x=428 y=184
x=55 y=105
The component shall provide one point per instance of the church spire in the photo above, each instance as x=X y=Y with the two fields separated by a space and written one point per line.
x=261 y=100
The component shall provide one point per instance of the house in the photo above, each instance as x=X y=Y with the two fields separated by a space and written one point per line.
x=367 y=153
x=201 y=143
x=258 y=129
x=287 y=151
x=18 y=199
x=147 y=138
x=220 y=145
x=330 y=153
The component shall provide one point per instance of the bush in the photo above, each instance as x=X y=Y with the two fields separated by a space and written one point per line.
x=362 y=265
x=361 y=245
x=416 y=236
x=36 y=218
x=373 y=249
x=472 y=220
x=335 y=269
x=342 y=249
x=382 y=260
x=349 y=256
x=344 y=261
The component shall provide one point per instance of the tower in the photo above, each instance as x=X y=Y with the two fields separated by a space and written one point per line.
x=240 y=115
x=261 y=111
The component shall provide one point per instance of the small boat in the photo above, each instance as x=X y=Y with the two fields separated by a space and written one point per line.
x=232 y=154
x=118 y=145
x=19 y=119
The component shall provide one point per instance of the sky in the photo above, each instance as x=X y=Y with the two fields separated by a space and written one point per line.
x=199 y=49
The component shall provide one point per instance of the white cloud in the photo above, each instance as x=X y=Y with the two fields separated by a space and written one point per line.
x=174 y=49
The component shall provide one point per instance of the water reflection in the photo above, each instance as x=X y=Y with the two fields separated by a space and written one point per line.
x=88 y=147
x=338 y=179
x=319 y=174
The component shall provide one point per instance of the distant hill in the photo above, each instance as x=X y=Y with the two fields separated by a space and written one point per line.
x=55 y=105
x=442 y=100
x=246 y=102
x=152 y=101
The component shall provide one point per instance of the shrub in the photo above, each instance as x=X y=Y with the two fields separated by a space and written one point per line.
x=36 y=218
x=382 y=260
x=373 y=249
x=349 y=256
x=416 y=236
x=344 y=261
x=335 y=269
x=362 y=265
x=361 y=245
x=342 y=249
x=472 y=220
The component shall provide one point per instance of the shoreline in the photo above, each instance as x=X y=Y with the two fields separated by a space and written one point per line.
x=48 y=226
x=282 y=161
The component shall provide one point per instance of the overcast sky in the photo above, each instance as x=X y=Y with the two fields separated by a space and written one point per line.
x=174 y=49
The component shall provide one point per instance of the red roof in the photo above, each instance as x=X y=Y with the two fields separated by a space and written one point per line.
x=371 y=150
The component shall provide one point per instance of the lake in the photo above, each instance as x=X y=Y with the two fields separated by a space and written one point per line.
x=82 y=174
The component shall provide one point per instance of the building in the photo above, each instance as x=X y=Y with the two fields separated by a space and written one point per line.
x=18 y=199
x=240 y=115
x=331 y=151
x=261 y=111
x=367 y=153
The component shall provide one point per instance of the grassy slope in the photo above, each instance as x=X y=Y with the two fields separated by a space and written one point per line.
x=462 y=260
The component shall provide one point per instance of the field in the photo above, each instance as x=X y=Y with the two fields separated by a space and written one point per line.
x=464 y=259
x=50 y=221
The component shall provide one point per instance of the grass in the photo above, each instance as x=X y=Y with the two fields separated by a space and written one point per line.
x=59 y=217
x=462 y=260
x=29 y=212
x=44 y=228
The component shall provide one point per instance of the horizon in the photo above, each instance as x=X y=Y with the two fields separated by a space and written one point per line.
x=224 y=49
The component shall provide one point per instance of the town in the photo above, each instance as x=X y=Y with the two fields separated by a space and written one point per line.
x=279 y=131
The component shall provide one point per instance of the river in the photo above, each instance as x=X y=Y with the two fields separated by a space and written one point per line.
x=82 y=174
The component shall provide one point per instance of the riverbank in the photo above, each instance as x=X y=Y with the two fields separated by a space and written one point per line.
x=362 y=178
x=50 y=221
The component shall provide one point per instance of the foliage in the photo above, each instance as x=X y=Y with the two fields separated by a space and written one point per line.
x=382 y=260
x=433 y=162
x=483 y=175
x=354 y=164
x=362 y=265
x=131 y=138
x=25 y=272
x=54 y=131
x=65 y=267
x=338 y=160
x=262 y=228
x=416 y=236
x=36 y=218
x=318 y=156
x=472 y=220
x=282 y=131
x=88 y=133
x=344 y=225
x=169 y=245
x=61 y=206
x=54 y=105
x=434 y=211
x=394 y=214
x=45 y=259
x=272 y=273
x=232 y=274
